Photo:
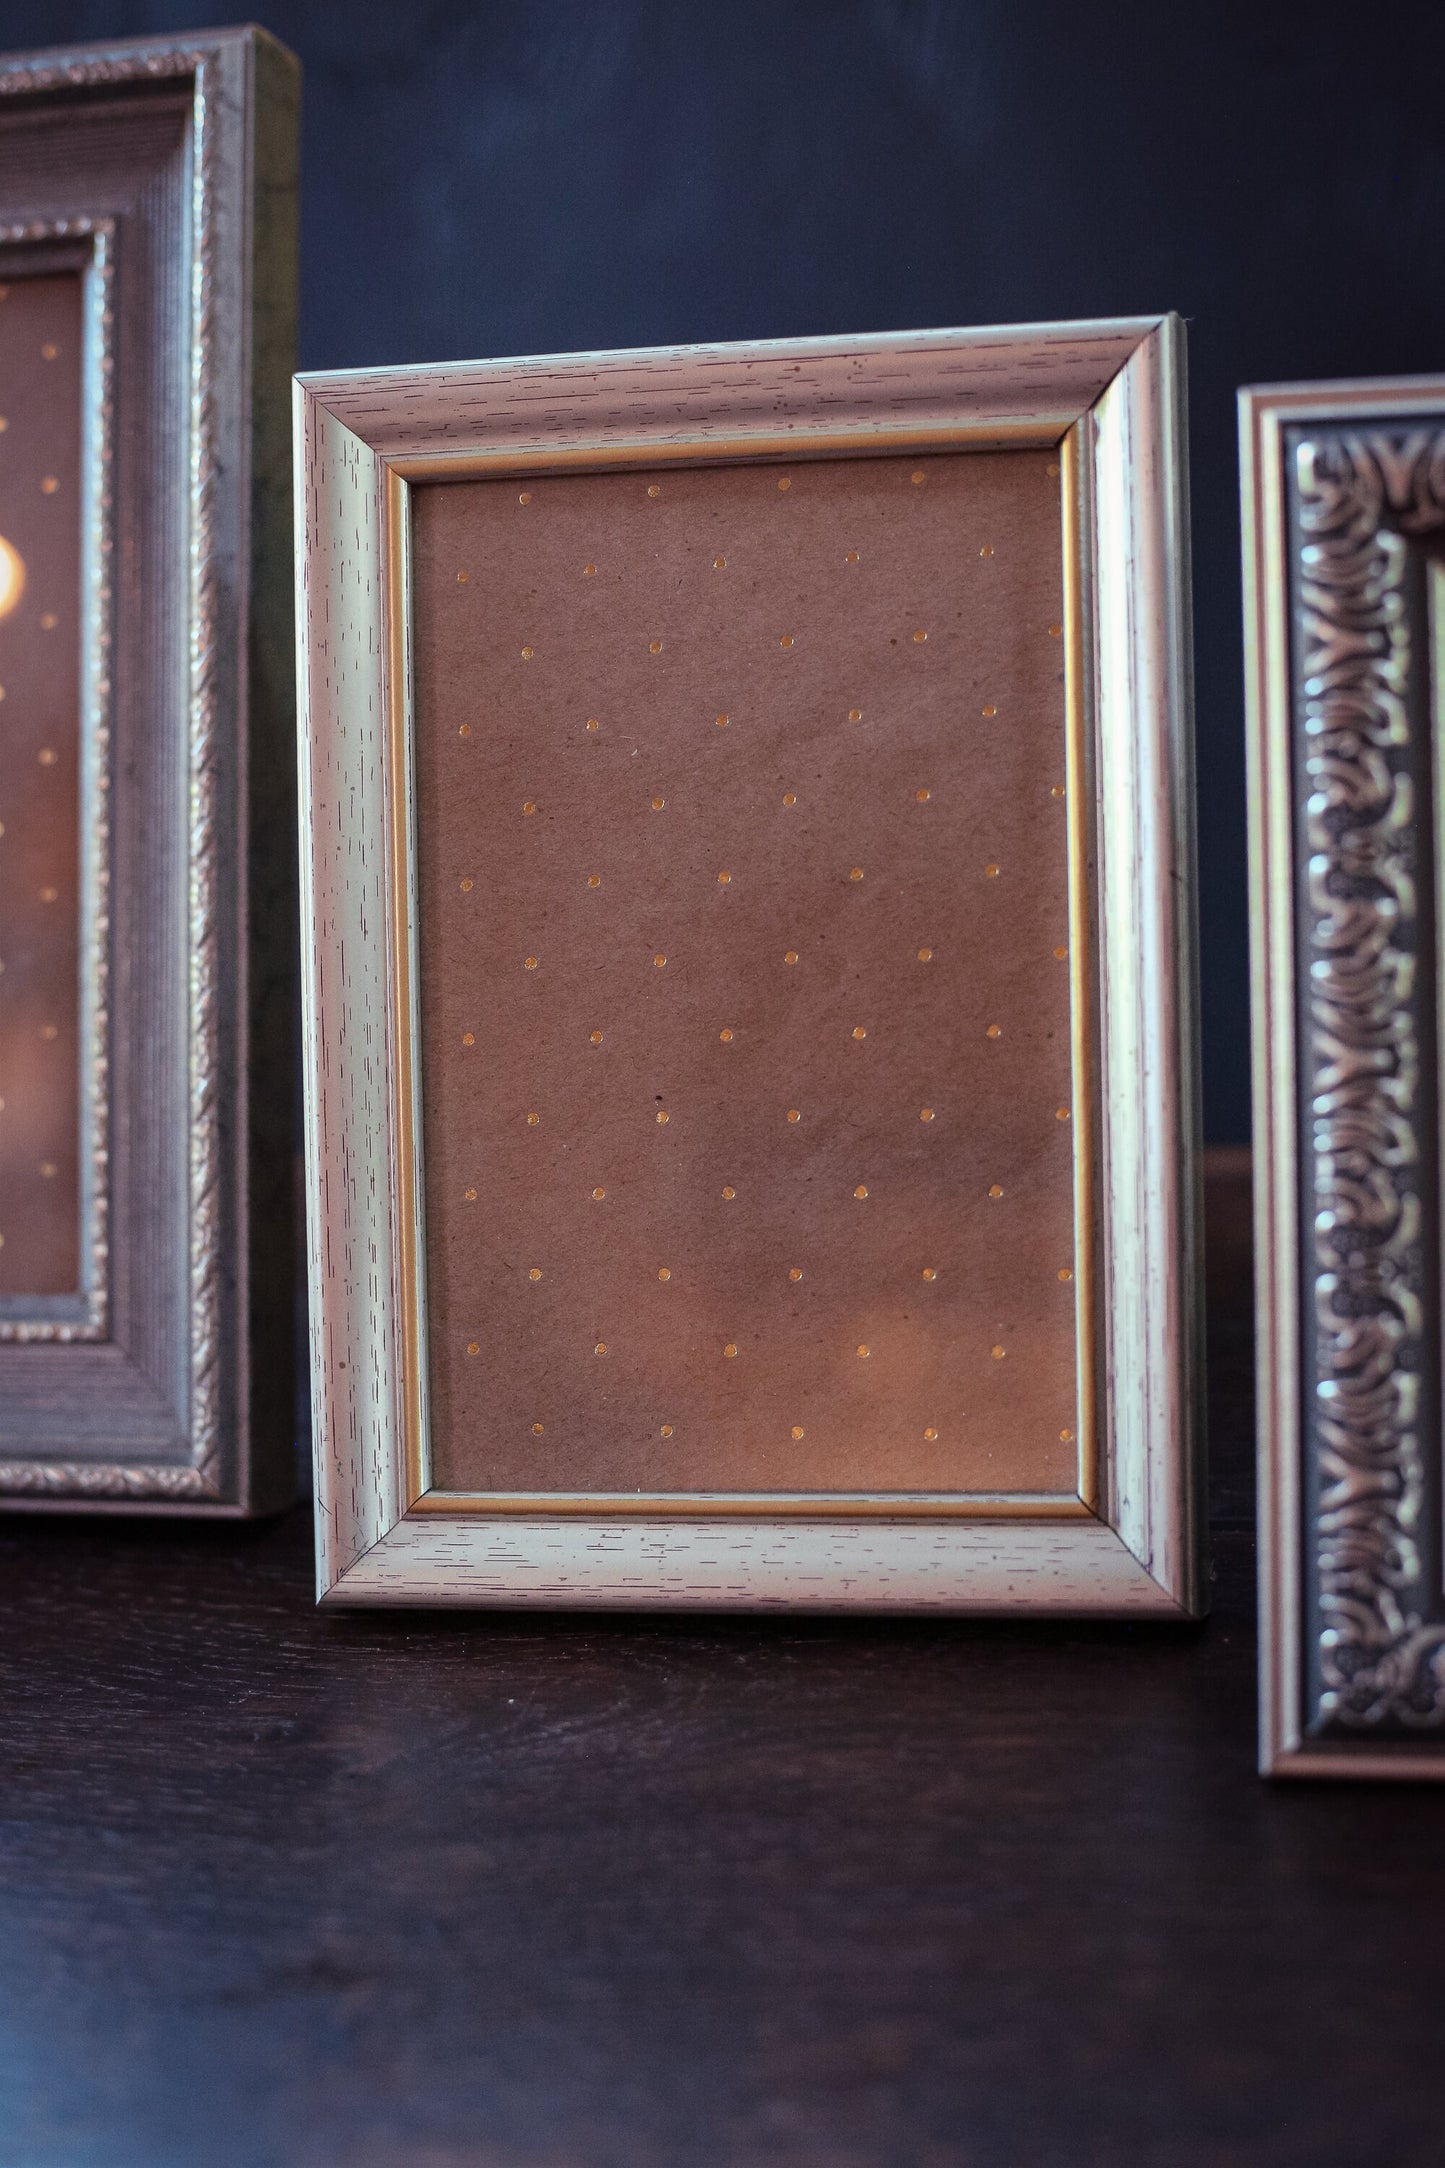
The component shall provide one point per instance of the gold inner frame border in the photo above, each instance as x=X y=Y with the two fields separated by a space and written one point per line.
x=472 y=463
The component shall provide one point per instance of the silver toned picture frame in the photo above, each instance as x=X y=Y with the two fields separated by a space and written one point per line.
x=1344 y=526
x=1104 y=401
x=162 y=171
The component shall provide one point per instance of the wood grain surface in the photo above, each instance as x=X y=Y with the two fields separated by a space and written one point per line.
x=404 y=1890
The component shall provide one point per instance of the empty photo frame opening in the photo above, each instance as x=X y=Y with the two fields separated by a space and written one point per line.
x=752 y=980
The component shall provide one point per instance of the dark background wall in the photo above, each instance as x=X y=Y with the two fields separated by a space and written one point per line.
x=531 y=176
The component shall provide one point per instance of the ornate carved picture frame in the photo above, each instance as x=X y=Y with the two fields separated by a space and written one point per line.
x=661 y=712
x=1344 y=522
x=147 y=322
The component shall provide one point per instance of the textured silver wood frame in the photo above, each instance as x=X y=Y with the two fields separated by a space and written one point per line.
x=165 y=1385
x=1344 y=517
x=1110 y=395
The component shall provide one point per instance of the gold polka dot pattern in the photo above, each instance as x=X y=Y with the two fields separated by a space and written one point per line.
x=834 y=720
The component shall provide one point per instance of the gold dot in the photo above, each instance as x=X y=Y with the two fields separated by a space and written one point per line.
x=850 y=557
x=464 y=730
x=783 y=482
x=987 y=550
x=535 y=1273
x=49 y=621
x=995 y=1031
x=721 y=721
x=658 y=961
x=533 y=1121
x=919 y=638
x=855 y=715
x=594 y=880
x=790 y=956
x=470 y=1195
x=790 y=797
x=925 y=1114
x=591 y=723
x=730 y=1348
x=462 y=578
x=1066 y=1436
x=930 y=1272
x=588 y=571
x=1060 y=953
x=469 y=1038
x=991 y=873
x=917 y=475
x=47 y=1170
x=595 y=1038
x=930 y=1433
x=719 y=564
x=925 y=955
x=725 y=1034
x=861 y=1190
x=654 y=489
x=529 y=805
x=474 y=1347
x=48 y=895
x=465 y=885
x=658 y=804
x=860 y=1031
x=664 y=1272
x=1056 y=632
x=529 y=963
x=990 y=710
x=995 y=1189
x=724 y=878
x=785 y=639
x=536 y=1430
x=1061 y=1114
x=524 y=496
x=1052 y=468
x=528 y=653
x=795 y=1114
x=997 y=1353
x=598 y=1195
x=795 y=1272
x=1065 y=1273
x=863 y=1348
x=923 y=796
x=601 y=1348
x=663 y=1116
x=728 y=1191
x=855 y=873
x=666 y=1431
x=797 y=1430
x=47 y=756
x=49 y=351
x=654 y=647
x=1057 y=791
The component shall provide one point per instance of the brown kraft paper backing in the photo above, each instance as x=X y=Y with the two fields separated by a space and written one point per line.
x=40 y=756
x=744 y=979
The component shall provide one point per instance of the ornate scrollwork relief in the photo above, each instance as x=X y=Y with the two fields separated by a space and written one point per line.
x=1360 y=501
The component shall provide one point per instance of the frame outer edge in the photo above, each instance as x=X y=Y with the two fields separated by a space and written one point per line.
x=1275 y=1060
x=1148 y=998
x=1264 y=411
x=347 y=1065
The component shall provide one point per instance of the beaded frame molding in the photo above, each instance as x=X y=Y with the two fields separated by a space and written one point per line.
x=1106 y=399
x=167 y=168
x=1344 y=522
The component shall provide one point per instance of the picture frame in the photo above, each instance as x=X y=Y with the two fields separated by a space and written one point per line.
x=147 y=1153
x=1344 y=511
x=1098 y=409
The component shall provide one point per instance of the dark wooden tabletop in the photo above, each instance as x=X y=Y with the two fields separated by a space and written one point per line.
x=549 y=1892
